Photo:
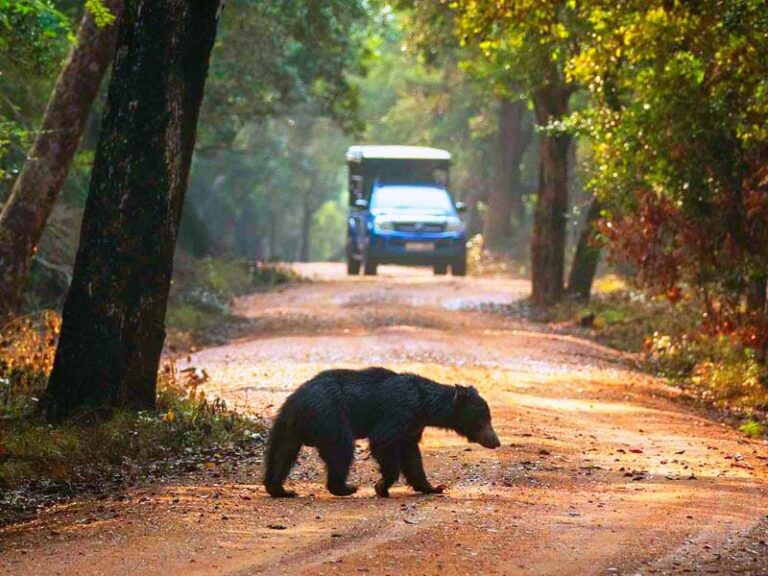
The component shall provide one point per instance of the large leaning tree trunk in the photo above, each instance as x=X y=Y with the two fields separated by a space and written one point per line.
x=113 y=321
x=549 y=235
x=505 y=199
x=587 y=256
x=39 y=184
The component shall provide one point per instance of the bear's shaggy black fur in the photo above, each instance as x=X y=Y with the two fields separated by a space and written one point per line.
x=336 y=407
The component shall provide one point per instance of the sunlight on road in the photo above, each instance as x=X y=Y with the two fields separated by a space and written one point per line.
x=598 y=467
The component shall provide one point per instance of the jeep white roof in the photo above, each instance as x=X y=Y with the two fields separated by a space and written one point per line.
x=359 y=153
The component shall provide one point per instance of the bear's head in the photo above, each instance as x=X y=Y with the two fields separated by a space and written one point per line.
x=472 y=417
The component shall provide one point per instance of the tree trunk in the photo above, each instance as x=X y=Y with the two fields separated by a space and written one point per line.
x=756 y=294
x=505 y=200
x=587 y=256
x=306 y=227
x=472 y=215
x=113 y=322
x=37 y=188
x=548 y=242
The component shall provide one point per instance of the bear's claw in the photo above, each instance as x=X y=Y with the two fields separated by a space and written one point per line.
x=282 y=493
x=343 y=490
x=381 y=489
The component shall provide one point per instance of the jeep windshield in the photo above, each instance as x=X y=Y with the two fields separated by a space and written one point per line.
x=422 y=198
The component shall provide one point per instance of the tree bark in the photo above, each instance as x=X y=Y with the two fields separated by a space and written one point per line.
x=587 y=256
x=548 y=242
x=113 y=321
x=306 y=226
x=505 y=200
x=472 y=218
x=37 y=188
x=756 y=294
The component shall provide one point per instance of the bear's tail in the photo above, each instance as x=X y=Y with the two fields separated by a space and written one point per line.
x=282 y=450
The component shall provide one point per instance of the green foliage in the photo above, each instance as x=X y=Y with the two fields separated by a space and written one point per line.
x=258 y=196
x=270 y=56
x=34 y=37
x=527 y=43
x=29 y=32
x=416 y=93
x=210 y=284
x=329 y=229
x=101 y=14
x=678 y=117
x=203 y=290
x=753 y=428
x=717 y=369
x=626 y=319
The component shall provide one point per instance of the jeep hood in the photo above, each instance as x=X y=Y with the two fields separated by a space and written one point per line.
x=420 y=215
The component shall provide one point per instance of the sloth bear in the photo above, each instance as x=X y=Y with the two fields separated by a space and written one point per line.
x=336 y=407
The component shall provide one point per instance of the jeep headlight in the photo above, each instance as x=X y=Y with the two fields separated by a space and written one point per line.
x=454 y=225
x=383 y=225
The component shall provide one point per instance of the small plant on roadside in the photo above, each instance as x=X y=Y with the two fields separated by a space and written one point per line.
x=753 y=428
x=203 y=290
x=484 y=262
x=27 y=348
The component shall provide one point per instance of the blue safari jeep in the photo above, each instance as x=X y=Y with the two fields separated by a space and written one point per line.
x=401 y=211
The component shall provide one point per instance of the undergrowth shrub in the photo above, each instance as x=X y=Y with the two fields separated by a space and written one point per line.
x=484 y=262
x=717 y=369
x=27 y=348
x=203 y=290
x=185 y=420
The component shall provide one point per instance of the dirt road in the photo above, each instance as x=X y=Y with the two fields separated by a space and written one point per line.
x=600 y=471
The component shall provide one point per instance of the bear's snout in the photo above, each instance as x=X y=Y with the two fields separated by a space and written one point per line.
x=487 y=438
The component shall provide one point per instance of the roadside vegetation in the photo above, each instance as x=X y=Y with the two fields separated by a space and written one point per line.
x=670 y=338
x=91 y=453
x=673 y=340
x=96 y=450
x=202 y=295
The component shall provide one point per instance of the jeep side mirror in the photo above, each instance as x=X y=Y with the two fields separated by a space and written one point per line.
x=361 y=203
x=461 y=207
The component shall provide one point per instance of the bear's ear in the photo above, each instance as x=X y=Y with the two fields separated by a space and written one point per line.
x=462 y=393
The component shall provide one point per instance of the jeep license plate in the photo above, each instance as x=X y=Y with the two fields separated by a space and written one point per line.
x=419 y=246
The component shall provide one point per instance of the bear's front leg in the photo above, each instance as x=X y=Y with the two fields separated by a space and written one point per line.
x=388 y=457
x=338 y=459
x=413 y=468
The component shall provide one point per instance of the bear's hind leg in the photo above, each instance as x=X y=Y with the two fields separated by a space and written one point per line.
x=338 y=458
x=413 y=468
x=388 y=457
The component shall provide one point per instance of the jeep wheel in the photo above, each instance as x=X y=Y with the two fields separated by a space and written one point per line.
x=459 y=268
x=371 y=267
x=353 y=266
x=440 y=269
